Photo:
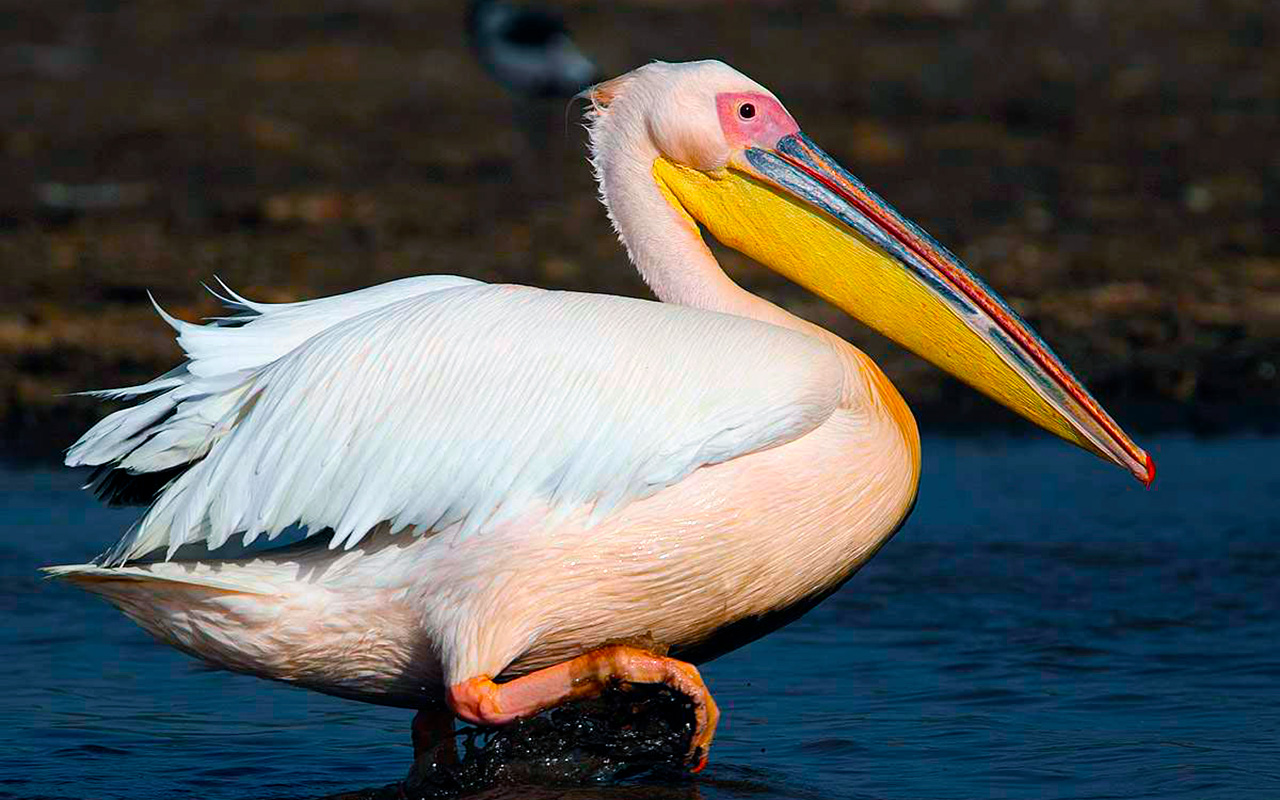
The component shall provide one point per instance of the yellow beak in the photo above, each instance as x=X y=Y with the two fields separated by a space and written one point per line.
x=795 y=210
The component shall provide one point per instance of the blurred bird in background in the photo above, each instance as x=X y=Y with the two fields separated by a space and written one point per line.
x=528 y=50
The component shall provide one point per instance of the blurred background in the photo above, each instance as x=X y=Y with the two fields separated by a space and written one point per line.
x=1111 y=168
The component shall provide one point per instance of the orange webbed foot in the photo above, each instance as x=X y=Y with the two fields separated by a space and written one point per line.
x=482 y=702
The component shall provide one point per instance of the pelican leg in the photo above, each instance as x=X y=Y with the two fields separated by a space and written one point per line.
x=482 y=702
x=433 y=736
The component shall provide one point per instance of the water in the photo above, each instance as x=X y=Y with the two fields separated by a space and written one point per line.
x=1043 y=627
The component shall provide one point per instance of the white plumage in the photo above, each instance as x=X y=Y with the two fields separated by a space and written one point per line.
x=439 y=400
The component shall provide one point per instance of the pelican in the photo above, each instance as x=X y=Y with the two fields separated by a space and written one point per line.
x=517 y=497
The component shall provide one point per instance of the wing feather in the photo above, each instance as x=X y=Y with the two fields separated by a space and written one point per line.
x=428 y=404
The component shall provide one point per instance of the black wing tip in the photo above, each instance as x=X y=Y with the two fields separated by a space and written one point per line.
x=120 y=487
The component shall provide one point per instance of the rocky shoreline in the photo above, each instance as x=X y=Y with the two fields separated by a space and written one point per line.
x=1109 y=169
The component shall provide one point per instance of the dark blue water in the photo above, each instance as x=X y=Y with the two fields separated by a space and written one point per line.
x=1042 y=627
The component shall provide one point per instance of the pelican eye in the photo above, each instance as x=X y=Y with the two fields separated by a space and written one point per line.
x=746 y=111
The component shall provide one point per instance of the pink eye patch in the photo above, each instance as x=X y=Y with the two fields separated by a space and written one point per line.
x=752 y=119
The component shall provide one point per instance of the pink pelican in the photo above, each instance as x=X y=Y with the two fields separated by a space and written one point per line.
x=517 y=497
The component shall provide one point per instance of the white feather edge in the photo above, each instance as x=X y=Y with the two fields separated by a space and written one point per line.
x=239 y=583
x=441 y=401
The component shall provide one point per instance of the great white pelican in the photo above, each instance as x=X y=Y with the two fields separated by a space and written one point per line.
x=517 y=497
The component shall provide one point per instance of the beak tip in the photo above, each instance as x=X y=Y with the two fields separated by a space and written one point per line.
x=1151 y=471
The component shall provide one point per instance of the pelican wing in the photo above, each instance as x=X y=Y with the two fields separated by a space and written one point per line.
x=440 y=401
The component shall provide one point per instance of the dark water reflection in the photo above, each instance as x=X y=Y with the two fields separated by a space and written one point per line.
x=1043 y=627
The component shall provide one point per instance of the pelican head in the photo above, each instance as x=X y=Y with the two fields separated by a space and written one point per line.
x=726 y=153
